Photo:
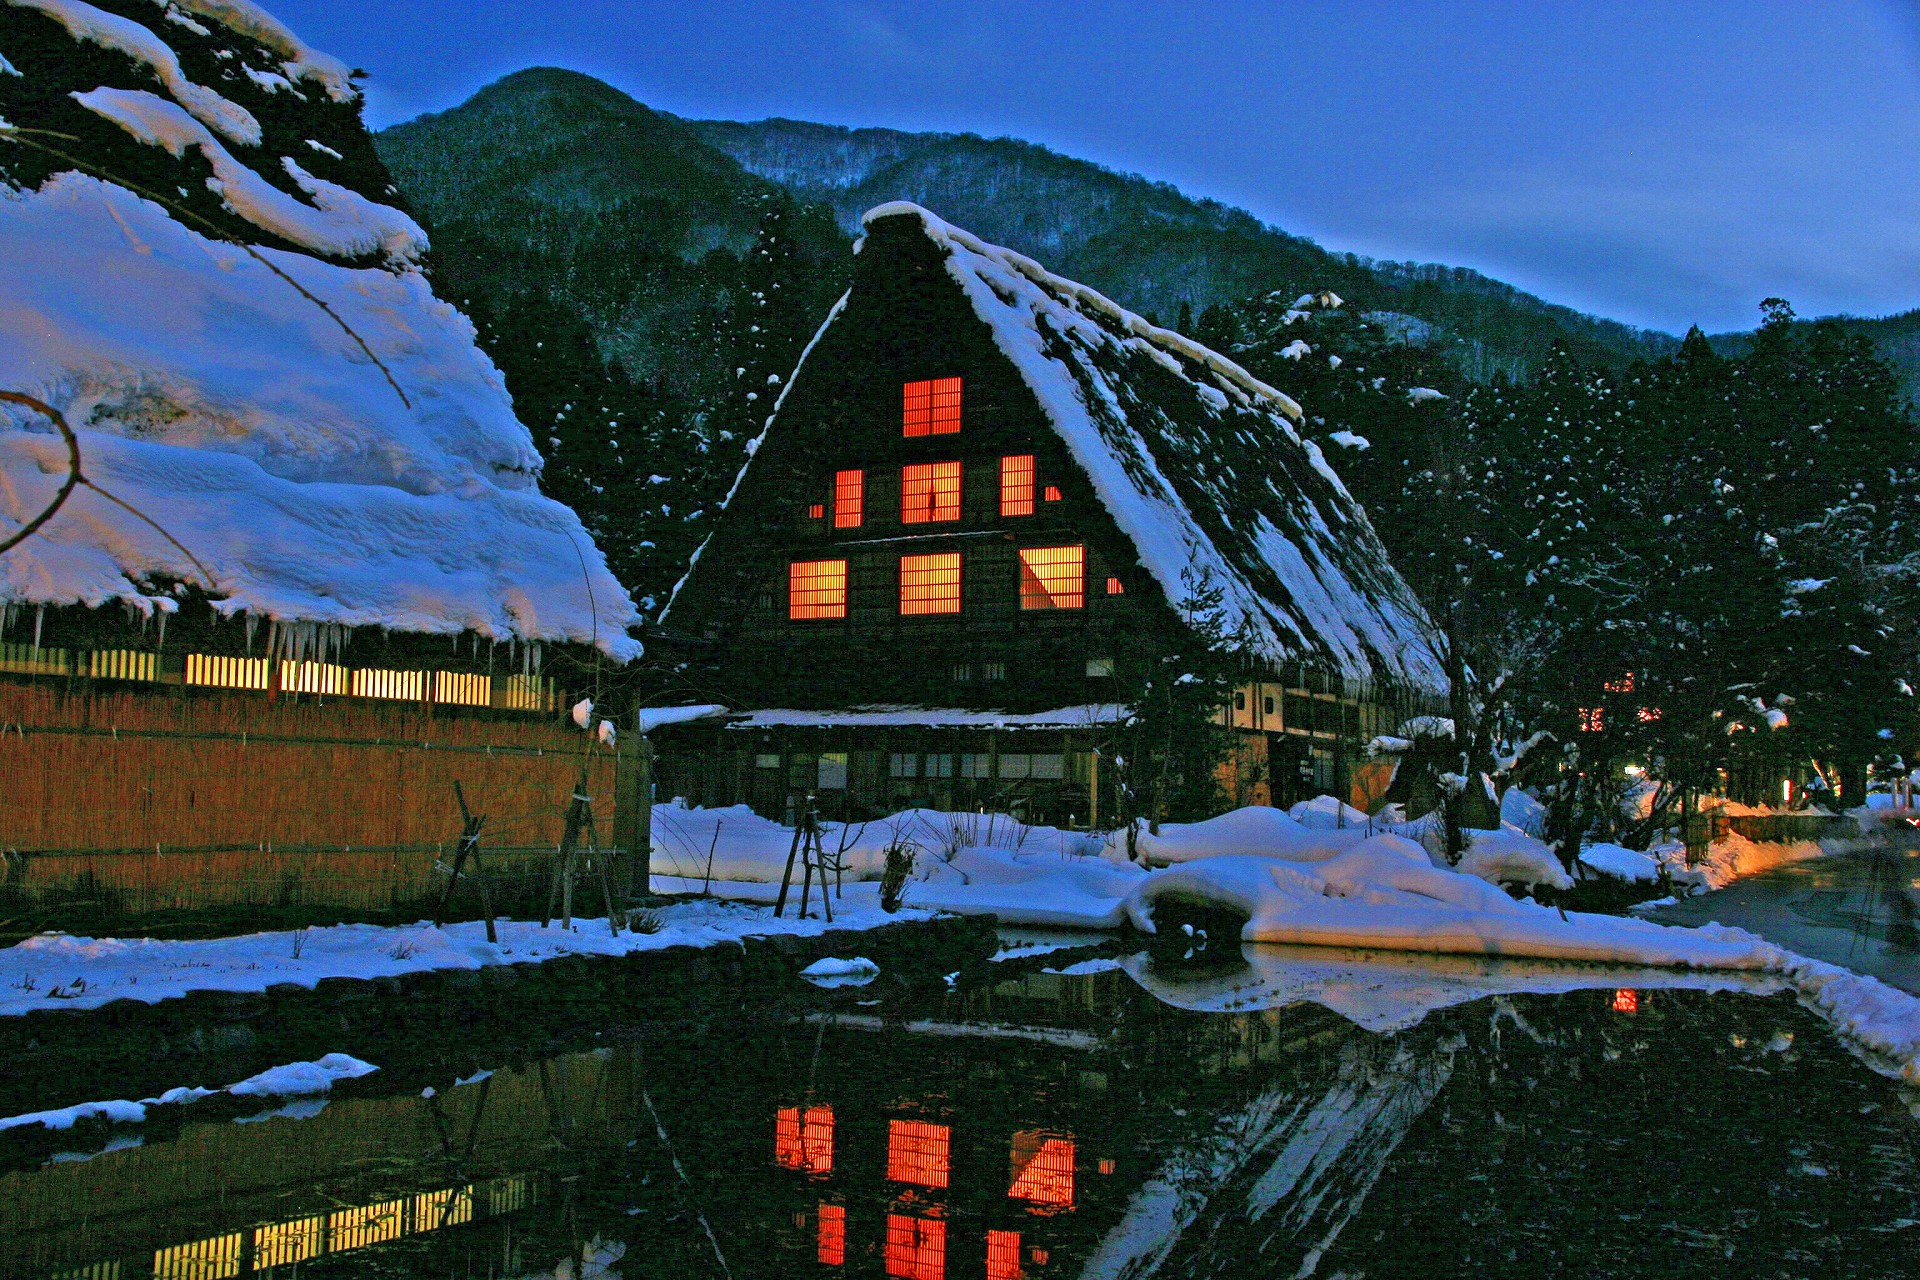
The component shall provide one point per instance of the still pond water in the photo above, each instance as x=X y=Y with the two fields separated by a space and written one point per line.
x=1283 y=1113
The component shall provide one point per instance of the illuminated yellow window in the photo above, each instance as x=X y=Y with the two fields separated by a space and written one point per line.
x=282 y=1244
x=1042 y=1169
x=213 y=1259
x=315 y=677
x=463 y=689
x=33 y=660
x=919 y=1153
x=817 y=511
x=930 y=584
x=1115 y=587
x=401 y=686
x=930 y=408
x=228 y=673
x=1053 y=577
x=445 y=1208
x=804 y=1139
x=1053 y=493
x=916 y=1248
x=817 y=589
x=529 y=693
x=506 y=1195
x=368 y=1224
x=929 y=491
x=849 y=499
x=832 y=1250
x=1016 y=485
x=122 y=664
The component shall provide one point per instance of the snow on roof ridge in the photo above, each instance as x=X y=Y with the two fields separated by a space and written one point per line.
x=125 y=36
x=346 y=224
x=302 y=61
x=905 y=714
x=1092 y=299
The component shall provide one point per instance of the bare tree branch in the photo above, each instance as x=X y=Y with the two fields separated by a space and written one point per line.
x=67 y=487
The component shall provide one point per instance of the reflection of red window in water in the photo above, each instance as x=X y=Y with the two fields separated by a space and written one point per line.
x=1626 y=1000
x=916 y=1247
x=1003 y=1255
x=804 y=1140
x=833 y=1235
x=918 y=1152
x=1042 y=1169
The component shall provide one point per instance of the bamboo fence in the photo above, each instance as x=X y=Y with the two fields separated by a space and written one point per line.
x=187 y=798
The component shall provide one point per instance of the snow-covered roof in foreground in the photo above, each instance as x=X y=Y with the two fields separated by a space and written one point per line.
x=1201 y=467
x=208 y=393
x=1091 y=713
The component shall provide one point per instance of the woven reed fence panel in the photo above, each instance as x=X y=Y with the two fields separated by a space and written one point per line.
x=175 y=798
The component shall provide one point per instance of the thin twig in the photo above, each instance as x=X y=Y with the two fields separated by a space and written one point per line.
x=13 y=133
x=129 y=507
x=73 y=466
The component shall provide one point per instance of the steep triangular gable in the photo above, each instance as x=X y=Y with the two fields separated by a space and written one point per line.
x=1198 y=463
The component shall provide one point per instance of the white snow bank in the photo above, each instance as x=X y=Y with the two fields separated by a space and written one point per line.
x=1524 y=812
x=1385 y=893
x=1621 y=863
x=1732 y=856
x=301 y=62
x=211 y=395
x=151 y=970
x=1510 y=856
x=1327 y=813
x=829 y=972
x=119 y=1112
x=652 y=718
x=301 y=1079
x=1255 y=829
x=1080 y=716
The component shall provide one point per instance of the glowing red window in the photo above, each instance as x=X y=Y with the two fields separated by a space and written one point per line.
x=1016 y=485
x=1106 y=1164
x=930 y=408
x=1003 y=1255
x=919 y=1152
x=816 y=511
x=1042 y=1169
x=916 y=1247
x=1053 y=577
x=1648 y=715
x=817 y=589
x=1623 y=685
x=831 y=1250
x=804 y=1139
x=929 y=491
x=849 y=499
x=1626 y=1000
x=1115 y=587
x=1590 y=719
x=1053 y=493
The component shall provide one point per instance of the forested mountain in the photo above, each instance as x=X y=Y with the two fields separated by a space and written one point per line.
x=645 y=281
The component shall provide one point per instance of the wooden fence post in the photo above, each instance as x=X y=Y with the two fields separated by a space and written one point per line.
x=633 y=815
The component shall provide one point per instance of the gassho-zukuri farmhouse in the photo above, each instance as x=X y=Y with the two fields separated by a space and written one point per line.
x=984 y=505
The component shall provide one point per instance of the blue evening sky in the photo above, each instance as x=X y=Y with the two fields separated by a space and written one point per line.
x=1660 y=163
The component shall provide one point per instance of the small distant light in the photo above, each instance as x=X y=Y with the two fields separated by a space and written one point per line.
x=1633 y=770
x=1106 y=1165
x=1626 y=1000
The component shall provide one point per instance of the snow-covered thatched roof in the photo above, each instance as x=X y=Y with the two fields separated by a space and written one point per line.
x=290 y=403
x=1201 y=467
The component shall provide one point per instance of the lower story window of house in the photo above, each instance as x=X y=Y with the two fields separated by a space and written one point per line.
x=1016 y=765
x=833 y=771
x=939 y=764
x=817 y=589
x=962 y=672
x=976 y=764
x=1053 y=577
x=930 y=584
x=903 y=764
x=1099 y=668
x=993 y=671
x=766 y=760
x=1049 y=765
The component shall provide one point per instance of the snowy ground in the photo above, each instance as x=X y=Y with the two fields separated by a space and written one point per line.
x=57 y=971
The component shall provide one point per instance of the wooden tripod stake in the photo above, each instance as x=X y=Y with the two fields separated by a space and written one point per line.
x=469 y=846
x=566 y=862
x=807 y=848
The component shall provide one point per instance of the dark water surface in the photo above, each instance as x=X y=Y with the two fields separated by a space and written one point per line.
x=1039 y=1125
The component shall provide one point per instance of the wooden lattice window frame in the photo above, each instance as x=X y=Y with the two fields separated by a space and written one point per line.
x=1053 y=577
x=816 y=590
x=930 y=492
x=849 y=499
x=930 y=407
x=930 y=584
x=1016 y=484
